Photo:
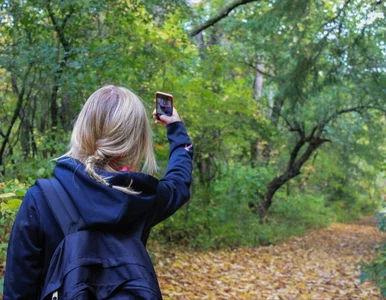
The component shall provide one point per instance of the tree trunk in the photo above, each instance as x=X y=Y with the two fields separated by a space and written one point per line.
x=15 y=116
x=60 y=30
x=25 y=137
x=257 y=94
x=258 y=84
x=293 y=170
x=201 y=45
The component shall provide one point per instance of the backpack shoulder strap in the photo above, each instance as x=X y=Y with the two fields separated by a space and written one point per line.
x=61 y=206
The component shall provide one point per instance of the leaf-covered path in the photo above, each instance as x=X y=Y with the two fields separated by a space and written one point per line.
x=321 y=265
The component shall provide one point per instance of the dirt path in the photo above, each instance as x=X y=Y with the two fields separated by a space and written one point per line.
x=322 y=265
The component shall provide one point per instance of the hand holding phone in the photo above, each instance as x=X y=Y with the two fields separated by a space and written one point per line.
x=164 y=112
x=163 y=104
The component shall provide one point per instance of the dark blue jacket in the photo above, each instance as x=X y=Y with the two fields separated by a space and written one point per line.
x=35 y=233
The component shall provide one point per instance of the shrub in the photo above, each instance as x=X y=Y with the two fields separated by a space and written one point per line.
x=376 y=271
x=11 y=194
x=218 y=216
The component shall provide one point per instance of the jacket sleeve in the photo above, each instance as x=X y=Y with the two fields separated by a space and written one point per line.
x=24 y=255
x=173 y=188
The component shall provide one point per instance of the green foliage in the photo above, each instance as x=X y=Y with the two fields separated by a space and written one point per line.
x=376 y=271
x=382 y=219
x=51 y=145
x=303 y=211
x=11 y=194
x=29 y=170
x=219 y=216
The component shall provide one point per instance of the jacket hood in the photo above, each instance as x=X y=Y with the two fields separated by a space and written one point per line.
x=104 y=206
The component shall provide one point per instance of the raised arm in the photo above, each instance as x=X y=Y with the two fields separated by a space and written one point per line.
x=173 y=188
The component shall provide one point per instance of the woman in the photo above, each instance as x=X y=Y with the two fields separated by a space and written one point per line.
x=101 y=174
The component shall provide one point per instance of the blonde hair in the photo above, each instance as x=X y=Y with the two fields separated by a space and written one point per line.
x=112 y=130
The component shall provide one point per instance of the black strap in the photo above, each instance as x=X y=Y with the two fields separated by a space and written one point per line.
x=61 y=206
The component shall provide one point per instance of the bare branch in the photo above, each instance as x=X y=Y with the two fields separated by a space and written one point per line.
x=257 y=69
x=323 y=41
x=16 y=112
x=337 y=15
x=60 y=28
x=294 y=153
x=63 y=63
x=297 y=128
x=314 y=144
x=312 y=134
x=358 y=109
x=224 y=12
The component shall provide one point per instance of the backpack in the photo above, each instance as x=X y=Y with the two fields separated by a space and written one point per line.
x=93 y=264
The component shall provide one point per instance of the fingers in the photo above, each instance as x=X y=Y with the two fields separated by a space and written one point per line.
x=157 y=119
x=164 y=119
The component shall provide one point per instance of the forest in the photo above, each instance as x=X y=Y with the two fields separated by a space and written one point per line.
x=284 y=101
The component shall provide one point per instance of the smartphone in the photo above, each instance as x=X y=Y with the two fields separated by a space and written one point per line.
x=163 y=104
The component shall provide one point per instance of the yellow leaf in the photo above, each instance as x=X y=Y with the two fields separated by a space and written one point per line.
x=7 y=195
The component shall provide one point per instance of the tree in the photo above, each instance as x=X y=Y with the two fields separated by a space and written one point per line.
x=54 y=53
x=317 y=70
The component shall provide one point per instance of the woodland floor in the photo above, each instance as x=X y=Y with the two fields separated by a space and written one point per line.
x=324 y=264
